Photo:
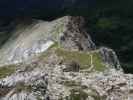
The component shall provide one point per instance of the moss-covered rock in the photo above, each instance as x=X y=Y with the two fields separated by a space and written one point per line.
x=22 y=87
x=7 y=70
x=85 y=59
x=77 y=94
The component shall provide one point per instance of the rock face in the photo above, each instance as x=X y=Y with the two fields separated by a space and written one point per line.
x=58 y=61
x=76 y=37
x=38 y=36
x=110 y=57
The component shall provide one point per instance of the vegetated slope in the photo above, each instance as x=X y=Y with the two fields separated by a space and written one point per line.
x=58 y=61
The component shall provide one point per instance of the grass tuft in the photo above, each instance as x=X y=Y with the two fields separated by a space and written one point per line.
x=82 y=58
x=7 y=70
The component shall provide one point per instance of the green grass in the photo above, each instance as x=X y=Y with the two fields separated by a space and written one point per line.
x=98 y=63
x=43 y=56
x=7 y=70
x=80 y=94
x=22 y=87
x=82 y=58
x=77 y=94
x=55 y=45
x=71 y=83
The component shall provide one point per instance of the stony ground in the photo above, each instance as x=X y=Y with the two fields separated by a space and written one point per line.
x=40 y=81
x=61 y=67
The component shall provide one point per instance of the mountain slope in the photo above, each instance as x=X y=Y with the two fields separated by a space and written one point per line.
x=57 y=60
x=29 y=39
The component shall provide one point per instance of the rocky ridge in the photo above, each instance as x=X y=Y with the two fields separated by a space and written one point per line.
x=58 y=61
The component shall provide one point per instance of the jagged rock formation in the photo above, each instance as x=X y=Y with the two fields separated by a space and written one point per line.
x=58 y=61
x=110 y=57
x=30 y=39
x=76 y=36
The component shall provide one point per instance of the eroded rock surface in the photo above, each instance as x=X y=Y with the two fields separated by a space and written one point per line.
x=76 y=37
x=58 y=61
x=30 y=39
x=48 y=82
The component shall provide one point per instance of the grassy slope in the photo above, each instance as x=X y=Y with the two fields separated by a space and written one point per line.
x=7 y=70
x=82 y=58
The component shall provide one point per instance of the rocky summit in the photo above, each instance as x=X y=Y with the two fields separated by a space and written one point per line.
x=58 y=60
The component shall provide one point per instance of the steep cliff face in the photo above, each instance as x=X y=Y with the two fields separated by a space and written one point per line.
x=75 y=36
x=58 y=60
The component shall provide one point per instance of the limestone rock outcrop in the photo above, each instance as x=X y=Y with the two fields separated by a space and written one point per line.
x=58 y=61
x=30 y=39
